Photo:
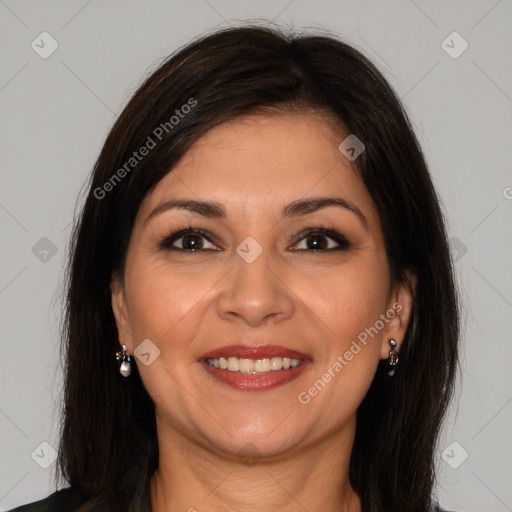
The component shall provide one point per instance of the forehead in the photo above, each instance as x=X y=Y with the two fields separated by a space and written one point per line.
x=265 y=161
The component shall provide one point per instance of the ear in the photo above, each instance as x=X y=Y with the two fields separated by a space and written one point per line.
x=400 y=305
x=120 y=312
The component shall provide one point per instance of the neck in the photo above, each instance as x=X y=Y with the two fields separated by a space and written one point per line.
x=192 y=477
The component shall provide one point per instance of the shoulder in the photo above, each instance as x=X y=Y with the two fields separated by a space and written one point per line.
x=63 y=500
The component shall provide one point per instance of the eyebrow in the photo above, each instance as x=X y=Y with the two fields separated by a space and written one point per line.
x=296 y=208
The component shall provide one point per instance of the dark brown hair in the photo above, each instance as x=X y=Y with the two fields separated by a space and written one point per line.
x=108 y=447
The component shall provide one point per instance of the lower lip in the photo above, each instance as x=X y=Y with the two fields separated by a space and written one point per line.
x=255 y=382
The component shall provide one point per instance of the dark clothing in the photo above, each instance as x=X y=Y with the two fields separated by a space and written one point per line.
x=64 y=500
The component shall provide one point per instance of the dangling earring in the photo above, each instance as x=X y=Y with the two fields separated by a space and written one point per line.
x=125 y=368
x=393 y=357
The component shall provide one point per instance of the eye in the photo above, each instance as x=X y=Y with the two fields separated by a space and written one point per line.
x=322 y=239
x=195 y=240
x=189 y=239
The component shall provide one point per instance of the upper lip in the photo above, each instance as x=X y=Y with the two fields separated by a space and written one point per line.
x=253 y=352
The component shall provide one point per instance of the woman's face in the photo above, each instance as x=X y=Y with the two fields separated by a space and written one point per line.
x=254 y=280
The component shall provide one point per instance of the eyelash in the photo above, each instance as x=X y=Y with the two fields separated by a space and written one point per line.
x=173 y=235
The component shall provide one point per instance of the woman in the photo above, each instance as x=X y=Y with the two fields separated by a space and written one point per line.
x=261 y=310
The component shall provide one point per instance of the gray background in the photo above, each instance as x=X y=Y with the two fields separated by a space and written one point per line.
x=56 y=112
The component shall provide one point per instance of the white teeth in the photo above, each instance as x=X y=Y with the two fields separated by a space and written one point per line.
x=244 y=365
x=254 y=366
x=232 y=363
x=262 y=365
x=276 y=363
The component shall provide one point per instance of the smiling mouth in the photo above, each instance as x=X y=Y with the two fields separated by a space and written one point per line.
x=254 y=366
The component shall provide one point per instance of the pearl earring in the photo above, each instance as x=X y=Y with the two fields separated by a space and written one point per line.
x=126 y=368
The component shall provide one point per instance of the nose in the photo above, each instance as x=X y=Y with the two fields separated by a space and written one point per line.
x=256 y=292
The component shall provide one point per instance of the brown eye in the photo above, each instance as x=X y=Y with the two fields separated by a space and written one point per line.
x=192 y=242
x=321 y=239
x=189 y=240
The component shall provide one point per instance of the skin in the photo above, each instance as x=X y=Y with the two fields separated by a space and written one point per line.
x=188 y=303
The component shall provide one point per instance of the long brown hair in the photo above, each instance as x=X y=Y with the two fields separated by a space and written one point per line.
x=108 y=448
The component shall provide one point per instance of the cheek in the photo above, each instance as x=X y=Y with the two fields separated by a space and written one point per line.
x=159 y=298
x=165 y=303
x=164 y=307
x=349 y=302
x=350 y=299
x=357 y=297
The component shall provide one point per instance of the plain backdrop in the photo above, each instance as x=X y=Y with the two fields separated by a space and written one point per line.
x=57 y=108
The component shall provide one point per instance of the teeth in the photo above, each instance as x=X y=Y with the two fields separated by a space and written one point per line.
x=254 y=366
x=262 y=365
x=244 y=365
x=232 y=363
